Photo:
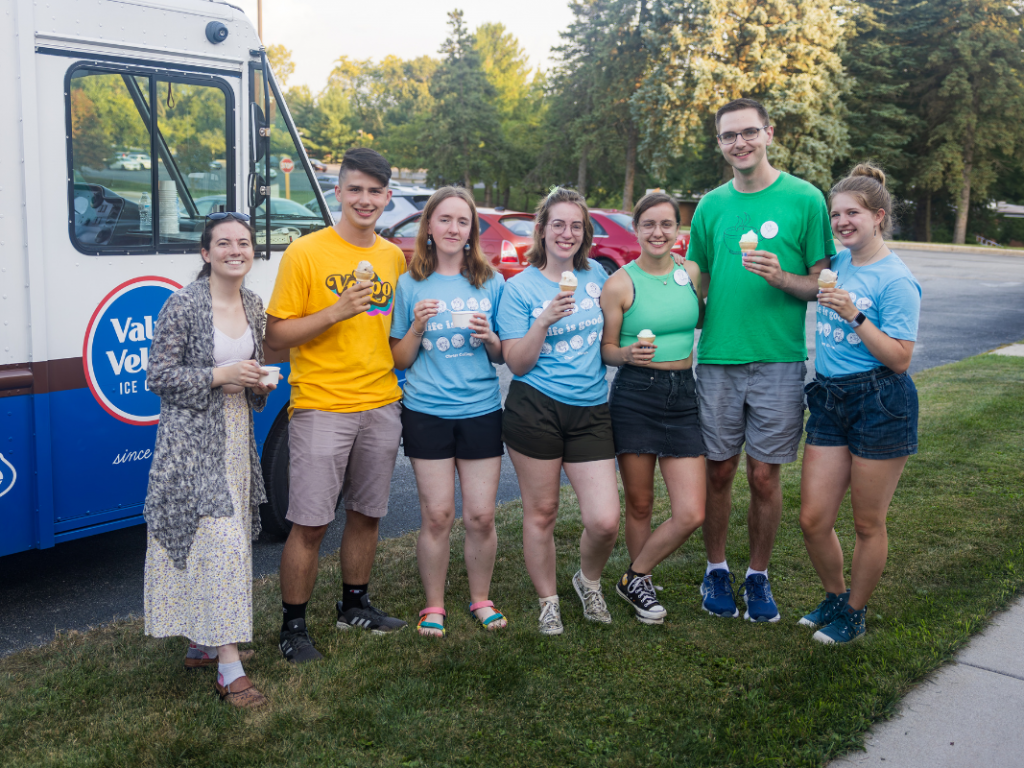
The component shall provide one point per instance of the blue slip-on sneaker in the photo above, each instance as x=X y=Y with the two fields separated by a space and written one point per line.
x=848 y=626
x=757 y=594
x=717 y=591
x=826 y=611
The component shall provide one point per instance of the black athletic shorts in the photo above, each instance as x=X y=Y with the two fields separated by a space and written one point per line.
x=431 y=437
x=541 y=427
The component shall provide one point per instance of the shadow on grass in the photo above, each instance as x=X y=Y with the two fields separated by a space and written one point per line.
x=698 y=691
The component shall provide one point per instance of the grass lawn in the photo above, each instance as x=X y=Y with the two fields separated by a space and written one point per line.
x=698 y=691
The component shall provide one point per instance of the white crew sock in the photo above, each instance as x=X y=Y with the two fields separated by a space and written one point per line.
x=751 y=572
x=588 y=583
x=722 y=566
x=228 y=673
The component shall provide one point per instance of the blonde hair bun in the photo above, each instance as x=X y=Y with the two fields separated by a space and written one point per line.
x=871 y=171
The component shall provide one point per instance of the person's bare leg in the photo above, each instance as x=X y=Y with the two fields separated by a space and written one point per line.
x=435 y=482
x=300 y=561
x=824 y=478
x=637 y=472
x=227 y=654
x=765 y=511
x=872 y=485
x=478 y=480
x=358 y=547
x=539 y=481
x=719 y=506
x=598 y=495
x=685 y=480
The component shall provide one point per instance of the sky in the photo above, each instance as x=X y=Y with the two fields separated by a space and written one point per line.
x=318 y=31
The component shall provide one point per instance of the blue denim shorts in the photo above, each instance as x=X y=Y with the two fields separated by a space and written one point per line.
x=655 y=412
x=873 y=413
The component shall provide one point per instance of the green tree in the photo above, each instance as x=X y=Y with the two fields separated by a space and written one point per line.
x=784 y=53
x=281 y=63
x=463 y=127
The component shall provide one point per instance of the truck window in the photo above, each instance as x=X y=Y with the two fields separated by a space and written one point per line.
x=144 y=179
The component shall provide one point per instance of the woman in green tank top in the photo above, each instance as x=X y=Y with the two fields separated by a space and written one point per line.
x=653 y=401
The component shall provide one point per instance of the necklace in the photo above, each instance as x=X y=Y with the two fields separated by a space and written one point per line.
x=854 y=269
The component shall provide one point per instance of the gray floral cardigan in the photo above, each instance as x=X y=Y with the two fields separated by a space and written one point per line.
x=188 y=478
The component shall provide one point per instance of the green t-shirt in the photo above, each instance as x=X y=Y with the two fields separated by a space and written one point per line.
x=748 y=321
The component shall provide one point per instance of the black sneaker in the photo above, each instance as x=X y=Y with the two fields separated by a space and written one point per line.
x=367 y=617
x=296 y=644
x=639 y=592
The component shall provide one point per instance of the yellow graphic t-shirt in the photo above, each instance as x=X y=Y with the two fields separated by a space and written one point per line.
x=348 y=368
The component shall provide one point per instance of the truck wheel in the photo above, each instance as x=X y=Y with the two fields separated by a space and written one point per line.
x=609 y=265
x=275 y=478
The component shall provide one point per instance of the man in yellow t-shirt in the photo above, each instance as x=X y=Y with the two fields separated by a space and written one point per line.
x=344 y=416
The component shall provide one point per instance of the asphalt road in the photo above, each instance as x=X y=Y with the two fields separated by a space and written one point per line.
x=972 y=303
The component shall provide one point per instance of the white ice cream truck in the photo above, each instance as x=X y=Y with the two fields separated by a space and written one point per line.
x=124 y=123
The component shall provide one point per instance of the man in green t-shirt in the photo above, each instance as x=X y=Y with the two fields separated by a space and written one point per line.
x=753 y=349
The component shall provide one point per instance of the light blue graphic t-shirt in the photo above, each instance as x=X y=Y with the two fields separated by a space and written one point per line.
x=569 y=368
x=888 y=295
x=452 y=377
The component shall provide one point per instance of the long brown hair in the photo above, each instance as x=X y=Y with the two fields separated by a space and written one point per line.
x=866 y=183
x=537 y=255
x=475 y=266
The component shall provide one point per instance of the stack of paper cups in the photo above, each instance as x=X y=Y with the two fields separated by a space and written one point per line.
x=169 y=207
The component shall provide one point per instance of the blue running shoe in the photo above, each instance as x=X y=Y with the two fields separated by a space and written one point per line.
x=716 y=590
x=845 y=628
x=826 y=611
x=757 y=594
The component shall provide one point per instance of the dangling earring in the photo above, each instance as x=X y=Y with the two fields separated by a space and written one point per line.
x=466 y=247
x=430 y=242
x=874 y=232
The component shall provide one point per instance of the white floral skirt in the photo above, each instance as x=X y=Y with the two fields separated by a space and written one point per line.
x=210 y=601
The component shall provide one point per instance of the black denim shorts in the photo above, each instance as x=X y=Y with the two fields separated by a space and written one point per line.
x=873 y=413
x=656 y=412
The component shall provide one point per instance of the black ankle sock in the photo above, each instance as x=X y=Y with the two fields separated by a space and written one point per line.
x=292 y=612
x=352 y=595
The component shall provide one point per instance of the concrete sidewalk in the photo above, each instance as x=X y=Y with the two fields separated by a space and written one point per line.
x=967 y=714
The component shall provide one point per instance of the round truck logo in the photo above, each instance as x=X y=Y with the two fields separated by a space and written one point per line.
x=116 y=349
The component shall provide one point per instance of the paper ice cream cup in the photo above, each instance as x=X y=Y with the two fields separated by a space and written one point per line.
x=269 y=375
x=461 y=318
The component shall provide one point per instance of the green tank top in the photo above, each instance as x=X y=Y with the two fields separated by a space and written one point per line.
x=666 y=305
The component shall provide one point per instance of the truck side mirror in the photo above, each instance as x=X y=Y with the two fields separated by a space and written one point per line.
x=259 y=133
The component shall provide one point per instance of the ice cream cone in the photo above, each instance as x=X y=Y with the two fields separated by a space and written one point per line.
x=646 y=336
x=363 y=272
x=827 y=279
x=748 y=241
x=568 y=282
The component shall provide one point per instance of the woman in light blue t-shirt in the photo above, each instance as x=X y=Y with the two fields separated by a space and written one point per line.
x=863 y=404
x=556 y=412
x=442 y=333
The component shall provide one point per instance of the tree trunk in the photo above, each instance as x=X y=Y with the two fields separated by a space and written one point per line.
x=581 y=181
x=488 y=199
x=506 y=195
x=928 y=219
x=467 y=182
x=960 y=228
x=627 y=187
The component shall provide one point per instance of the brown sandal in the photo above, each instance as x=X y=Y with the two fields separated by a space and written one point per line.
x=243 y=656
x=241 y=693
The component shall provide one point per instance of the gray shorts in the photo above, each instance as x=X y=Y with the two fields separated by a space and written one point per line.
x=341 y=453
x=760 y=404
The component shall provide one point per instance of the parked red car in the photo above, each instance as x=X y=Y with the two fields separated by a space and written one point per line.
x=505 y=236
x=615 y=242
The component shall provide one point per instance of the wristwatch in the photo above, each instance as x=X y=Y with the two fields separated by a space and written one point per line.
x=858 y=320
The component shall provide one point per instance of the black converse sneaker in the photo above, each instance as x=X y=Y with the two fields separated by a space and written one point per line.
x=639 y=592
x=367 y=617
x=296 y=644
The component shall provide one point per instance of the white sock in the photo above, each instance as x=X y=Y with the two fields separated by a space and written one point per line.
x=722 y=566
x=552 y=599
x=588 y=583
x=228 y=673
x=751 y=572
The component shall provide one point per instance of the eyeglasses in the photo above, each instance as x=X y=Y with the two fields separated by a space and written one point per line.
x=218 y=215
x=558 y=227
x=748 y=134
x=649 y=226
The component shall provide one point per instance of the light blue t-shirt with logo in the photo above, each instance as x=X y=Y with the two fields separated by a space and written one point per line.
x=888 y=295
x=569 y=369
x=451 y=377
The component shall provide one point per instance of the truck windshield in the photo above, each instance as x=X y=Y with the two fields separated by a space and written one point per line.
x=296 y=201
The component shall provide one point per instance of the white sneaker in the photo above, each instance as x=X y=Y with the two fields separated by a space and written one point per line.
x=550 y=619
x=594 y=607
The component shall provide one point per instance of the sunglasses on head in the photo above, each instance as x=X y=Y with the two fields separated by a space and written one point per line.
x=228 y=214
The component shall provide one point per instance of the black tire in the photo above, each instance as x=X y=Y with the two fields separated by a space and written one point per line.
x=275 y=478
x=609 y=266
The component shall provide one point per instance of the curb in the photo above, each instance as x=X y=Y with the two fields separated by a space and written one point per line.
x=898 y=245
